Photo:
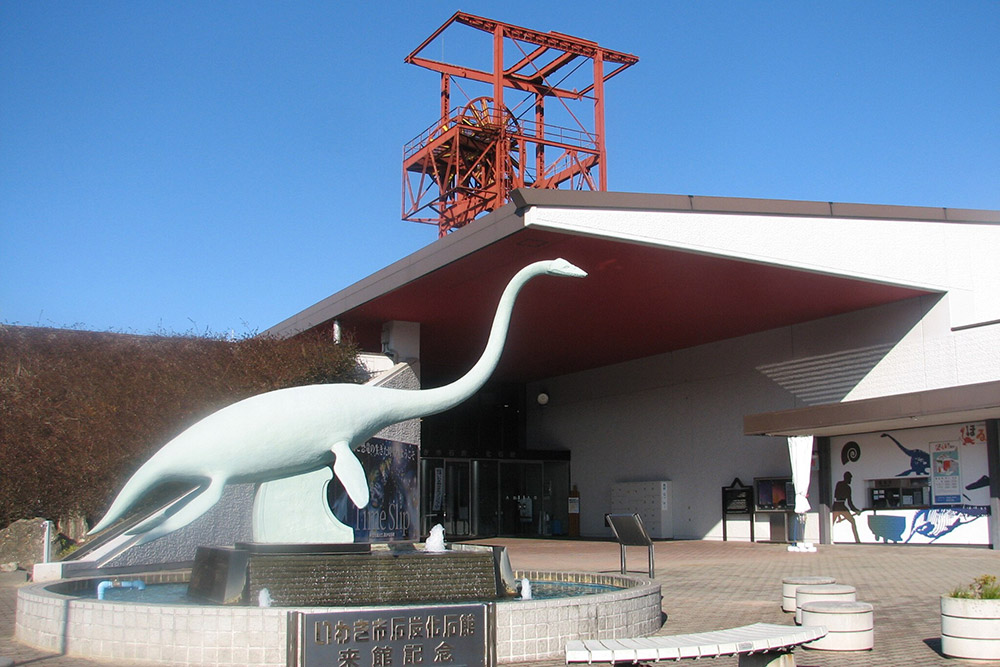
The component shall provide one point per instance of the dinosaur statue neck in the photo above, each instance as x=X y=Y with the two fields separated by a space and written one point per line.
x=432 y=401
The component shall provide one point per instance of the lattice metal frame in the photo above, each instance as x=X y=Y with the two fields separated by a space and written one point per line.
x=468 y=161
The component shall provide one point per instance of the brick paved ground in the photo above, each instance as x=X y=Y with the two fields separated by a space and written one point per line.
x=715 y=585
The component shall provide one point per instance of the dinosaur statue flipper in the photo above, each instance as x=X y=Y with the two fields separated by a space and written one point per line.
x=165 y=513
x=199 y=503
x=351 y=474
x=144 y=479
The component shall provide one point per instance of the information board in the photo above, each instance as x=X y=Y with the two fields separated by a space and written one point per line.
x=737 y=499
x=946 y=474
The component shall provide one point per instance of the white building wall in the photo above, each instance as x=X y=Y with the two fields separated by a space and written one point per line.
x=679 y=416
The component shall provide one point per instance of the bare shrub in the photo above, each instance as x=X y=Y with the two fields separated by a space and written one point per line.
x=80 y=410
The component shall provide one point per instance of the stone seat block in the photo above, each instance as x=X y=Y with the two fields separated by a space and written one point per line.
x=850 y=625
x=790 y=584
x=835 y=592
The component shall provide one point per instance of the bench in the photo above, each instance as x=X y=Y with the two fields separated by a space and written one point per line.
x=757 y=644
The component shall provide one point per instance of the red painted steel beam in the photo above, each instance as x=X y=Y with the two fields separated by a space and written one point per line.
x=515 y=81
x=555 y=40
x=467 y=163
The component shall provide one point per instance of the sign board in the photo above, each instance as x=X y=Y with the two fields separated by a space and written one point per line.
x=630 y=532
x=393 y=513
x=946 y=475
x=431 y=636
x=737 y=501
x=737 y=498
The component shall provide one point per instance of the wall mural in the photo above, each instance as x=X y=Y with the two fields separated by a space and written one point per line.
x=850 y=452
x=920 y=460
x=918 y=486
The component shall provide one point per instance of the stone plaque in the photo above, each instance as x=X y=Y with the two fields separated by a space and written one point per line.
x=385 y=578
x=432 y=636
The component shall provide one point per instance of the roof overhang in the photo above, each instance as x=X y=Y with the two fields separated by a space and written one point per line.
x=644 y=296
x=950 y=405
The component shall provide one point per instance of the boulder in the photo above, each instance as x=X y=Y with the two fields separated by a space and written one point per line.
x=23 y=543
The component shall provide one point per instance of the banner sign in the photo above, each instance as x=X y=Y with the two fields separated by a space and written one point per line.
x=431 y=636
x=393 y=511
x=946 y=477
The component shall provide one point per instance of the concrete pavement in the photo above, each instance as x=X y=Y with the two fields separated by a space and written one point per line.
x=716 y=585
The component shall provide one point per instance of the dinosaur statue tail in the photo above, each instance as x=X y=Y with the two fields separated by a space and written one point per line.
x=142 y=481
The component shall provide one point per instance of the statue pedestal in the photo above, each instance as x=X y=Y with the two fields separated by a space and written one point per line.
x=339 y=575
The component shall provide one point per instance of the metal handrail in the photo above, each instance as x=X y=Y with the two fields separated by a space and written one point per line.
x=528 y=131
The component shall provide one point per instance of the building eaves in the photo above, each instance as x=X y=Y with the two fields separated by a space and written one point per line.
x=526 y=198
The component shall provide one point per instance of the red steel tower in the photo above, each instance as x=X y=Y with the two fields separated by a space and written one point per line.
x=499 y=137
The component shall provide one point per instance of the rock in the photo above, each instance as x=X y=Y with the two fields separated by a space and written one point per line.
x=23 y=542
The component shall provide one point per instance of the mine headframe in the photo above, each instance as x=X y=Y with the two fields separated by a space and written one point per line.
x=521 y=122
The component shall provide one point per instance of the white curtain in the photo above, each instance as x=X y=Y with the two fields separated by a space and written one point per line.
x=800 y=448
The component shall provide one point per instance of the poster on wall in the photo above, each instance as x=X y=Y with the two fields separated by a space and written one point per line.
x=437 y=504
x=946 y=477
x=393 y=511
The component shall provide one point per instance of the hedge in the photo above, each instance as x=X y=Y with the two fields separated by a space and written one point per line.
x=80 y=411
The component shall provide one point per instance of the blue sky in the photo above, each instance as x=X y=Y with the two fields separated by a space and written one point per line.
x=192 y=166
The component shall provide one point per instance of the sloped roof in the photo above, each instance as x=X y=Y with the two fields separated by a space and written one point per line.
x=640 y=298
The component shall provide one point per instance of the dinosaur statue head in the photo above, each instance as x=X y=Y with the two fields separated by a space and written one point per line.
x=560 y=267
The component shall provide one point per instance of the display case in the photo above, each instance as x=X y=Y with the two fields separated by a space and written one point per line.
x=774 y=498
x=898 y=492
x=774 y=493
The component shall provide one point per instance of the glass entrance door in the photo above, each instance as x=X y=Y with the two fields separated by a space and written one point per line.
x=458 y=499
x=521 y=498
x=446 y=496
x=487 y=497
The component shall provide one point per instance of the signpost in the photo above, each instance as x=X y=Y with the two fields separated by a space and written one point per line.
x=630 y=532
x=737 y=499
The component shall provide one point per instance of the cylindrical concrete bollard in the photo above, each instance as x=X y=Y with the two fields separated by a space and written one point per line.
x=850 y=626
x=834 y=592
x=790 y=584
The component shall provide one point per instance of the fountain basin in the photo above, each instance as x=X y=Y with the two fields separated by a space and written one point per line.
x=52 y=617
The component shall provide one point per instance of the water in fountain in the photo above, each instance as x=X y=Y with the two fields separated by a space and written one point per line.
x=435 y=541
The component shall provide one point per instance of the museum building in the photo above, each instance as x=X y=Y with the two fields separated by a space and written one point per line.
x=707 y=331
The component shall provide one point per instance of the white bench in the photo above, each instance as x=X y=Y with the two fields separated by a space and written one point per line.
x=761 y=643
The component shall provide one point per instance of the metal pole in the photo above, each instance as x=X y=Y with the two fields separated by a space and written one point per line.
x=602 y=174
x=993 y=468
